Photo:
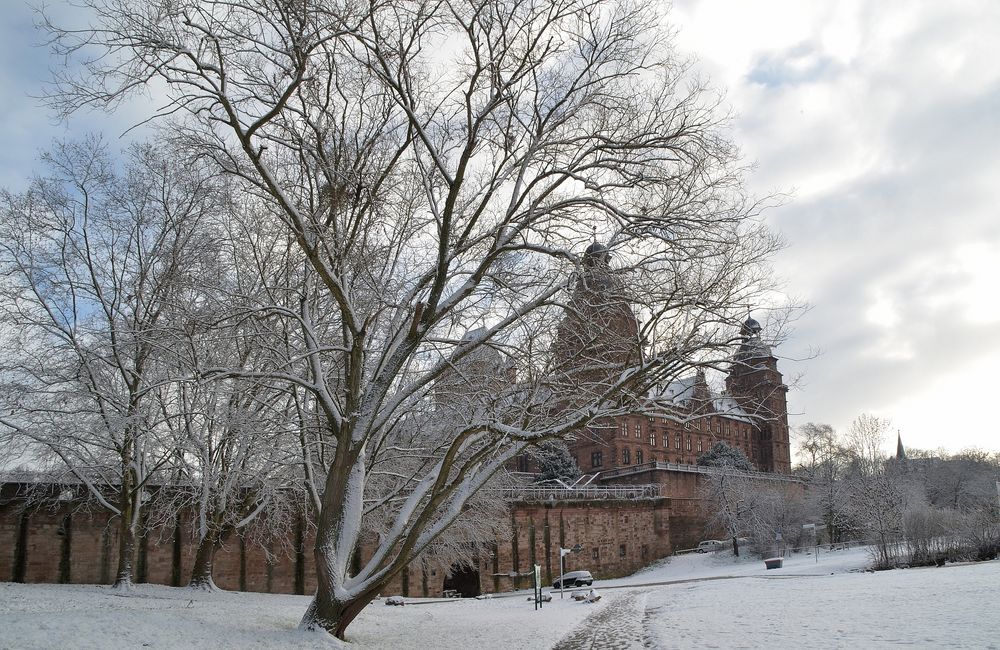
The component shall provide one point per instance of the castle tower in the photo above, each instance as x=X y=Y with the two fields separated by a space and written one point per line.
x=473 y=383
x=756 y=383
x=701 y=395
x=598 y=337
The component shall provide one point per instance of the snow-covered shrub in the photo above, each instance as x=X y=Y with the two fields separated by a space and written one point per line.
x=980 y=533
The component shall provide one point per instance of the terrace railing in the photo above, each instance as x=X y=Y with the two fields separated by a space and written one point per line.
x=587 y=493
x=695 y=469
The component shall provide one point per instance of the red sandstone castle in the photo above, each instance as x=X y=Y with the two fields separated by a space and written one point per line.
x=676 y=423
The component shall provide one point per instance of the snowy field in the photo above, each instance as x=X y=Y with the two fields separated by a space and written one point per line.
x=693 y=601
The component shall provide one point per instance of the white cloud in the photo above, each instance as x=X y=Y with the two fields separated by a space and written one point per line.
x=884 y=117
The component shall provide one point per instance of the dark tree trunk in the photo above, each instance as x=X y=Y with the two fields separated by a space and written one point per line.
x=327 y=611
x=332 y=615
x=126 y=553
x=175 y=563
x=736 y=547
x=65 y=550
x=129 y=502
x=204 y=561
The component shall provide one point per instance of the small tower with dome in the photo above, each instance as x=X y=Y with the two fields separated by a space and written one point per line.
x=756 y=383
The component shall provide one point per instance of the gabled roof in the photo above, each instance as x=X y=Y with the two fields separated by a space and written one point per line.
x=681 y=394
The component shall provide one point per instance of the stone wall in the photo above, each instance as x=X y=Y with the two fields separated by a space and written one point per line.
x=74 y=542
x=618 y=537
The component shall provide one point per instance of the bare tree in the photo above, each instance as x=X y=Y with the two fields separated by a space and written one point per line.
x=741 y=503
x=814 y=442
x=825 y=464
x=92 y=257
x=877 y=495
x=439 y=168
x=234 y=463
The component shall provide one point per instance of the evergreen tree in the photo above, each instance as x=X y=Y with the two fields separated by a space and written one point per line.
x=556 y=462
x=722 y=455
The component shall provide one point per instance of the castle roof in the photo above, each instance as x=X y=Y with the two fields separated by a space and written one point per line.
x=681 y=393
x=597 y=250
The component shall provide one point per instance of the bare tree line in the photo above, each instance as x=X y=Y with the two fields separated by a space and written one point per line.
x=915 y=507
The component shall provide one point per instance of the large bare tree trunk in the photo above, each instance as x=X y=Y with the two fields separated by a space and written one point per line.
x=333 y=551
x=332 y=615
x=126 y=552
x=127 y=536
x=204 y=563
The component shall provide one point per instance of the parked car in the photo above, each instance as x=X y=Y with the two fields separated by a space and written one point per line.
x=709 y=545
x=574 y=579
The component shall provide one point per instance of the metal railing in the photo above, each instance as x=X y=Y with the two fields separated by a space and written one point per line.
x=694 y=469
x=588 y=493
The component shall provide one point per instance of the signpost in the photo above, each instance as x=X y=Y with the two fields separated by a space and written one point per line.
x=537 y=573
x=563 y=552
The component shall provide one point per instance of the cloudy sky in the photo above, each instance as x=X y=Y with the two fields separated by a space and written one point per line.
x=882 y=118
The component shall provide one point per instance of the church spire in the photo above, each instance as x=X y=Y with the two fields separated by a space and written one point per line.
x=900 y=452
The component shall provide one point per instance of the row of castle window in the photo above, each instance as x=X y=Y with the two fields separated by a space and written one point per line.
x=637 y=428
x=597 y=457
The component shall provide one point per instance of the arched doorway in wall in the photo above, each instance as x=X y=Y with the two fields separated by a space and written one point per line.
x=463 y=580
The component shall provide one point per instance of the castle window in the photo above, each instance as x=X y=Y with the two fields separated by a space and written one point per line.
x=677 y=442
x=624 y=428
x=638 y=457
x=523 y=463
x=596 y=459
x=699 y=446
x=666 y=441
x=652 y=439
x=621 y=550
x=595 y=553
x=626 y=457
x=638 y=430
x=688 y=446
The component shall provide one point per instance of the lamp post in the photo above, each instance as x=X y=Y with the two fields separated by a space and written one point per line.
x=563 y=552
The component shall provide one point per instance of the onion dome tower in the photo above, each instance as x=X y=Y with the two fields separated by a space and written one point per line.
x=756 y=383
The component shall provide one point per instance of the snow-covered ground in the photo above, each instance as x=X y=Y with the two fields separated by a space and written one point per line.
x=153 y=616
x=949 y=607
x=696 y=566
x=690 y=601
